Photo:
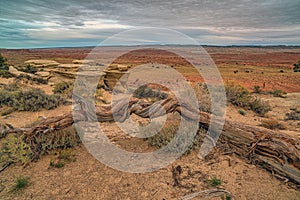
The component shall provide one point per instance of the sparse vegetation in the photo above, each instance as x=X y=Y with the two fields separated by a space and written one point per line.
x=62 y=139
x=203 y=97
x=15 y=150
x=214 y=182
x=242 y=112
x=64 y=89
x=62 y=158
x=293 y=115
x=20 y=183
x=260 y=107
x=240 y=96
x=3 y=63
x=277 y=93
x=28 y=69
x=28 y=99
x=6 y=74
x=27 y=77
x=272 y=124
x=168 y=132
x=297 y=67
x=227 y=197
x=147 y=92
x=257 y=89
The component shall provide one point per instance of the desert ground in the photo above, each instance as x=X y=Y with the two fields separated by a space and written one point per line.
x=71 y=172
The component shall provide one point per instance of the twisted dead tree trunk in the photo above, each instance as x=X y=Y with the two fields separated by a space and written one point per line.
x=272 y=150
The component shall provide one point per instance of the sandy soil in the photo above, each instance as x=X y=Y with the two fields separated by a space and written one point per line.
x=87 y=178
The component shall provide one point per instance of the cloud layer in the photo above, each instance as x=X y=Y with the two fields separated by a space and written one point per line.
x=43 y=23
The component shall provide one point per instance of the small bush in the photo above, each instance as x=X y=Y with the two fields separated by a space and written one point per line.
x=214 y=182
x=64 y=89
x=29 y=69
x=281 y=71
x=240 y=96
x=30 y=78
x=279 y=93
x=297 y=67
x=260 y=107
x=272 y=124
x=64 y=157
x=242 y=112
x=293 y=115
x=62 y=139
x=235 y=71
x=256 y=89
x=20 y=183
x=147 y=92
x=6 y=74
x=29 y=99
x=15 y=150
x=3 y=63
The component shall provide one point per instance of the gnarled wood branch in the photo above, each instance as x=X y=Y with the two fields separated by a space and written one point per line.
x=272 y=150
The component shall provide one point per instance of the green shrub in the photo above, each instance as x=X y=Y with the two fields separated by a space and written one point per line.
x=64 y=89
x=15 y=150
x=203 y=96
x=260 y=107
x=3 y=63
x=169 y=132
x=31 y=78
x=28 y=69
x=29 y=99
x=20 y=183
x=257 y=89
x=62 y=139
x=214 y=182
x=279 y=93
x=240 y=96
x=242 y=112
x=6 y=74
x=297 y=67
x=62 y=158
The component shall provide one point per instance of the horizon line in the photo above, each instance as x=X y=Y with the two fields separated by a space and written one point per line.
x=93 y=46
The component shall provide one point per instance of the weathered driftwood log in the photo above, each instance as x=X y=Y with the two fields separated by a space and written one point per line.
x=272 y=150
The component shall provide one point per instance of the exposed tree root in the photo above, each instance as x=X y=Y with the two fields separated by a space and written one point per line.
x=277 y=152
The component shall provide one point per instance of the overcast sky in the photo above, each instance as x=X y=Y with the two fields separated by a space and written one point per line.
x=49 y=23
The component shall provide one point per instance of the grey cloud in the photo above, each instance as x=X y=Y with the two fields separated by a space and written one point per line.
x=214 y=19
